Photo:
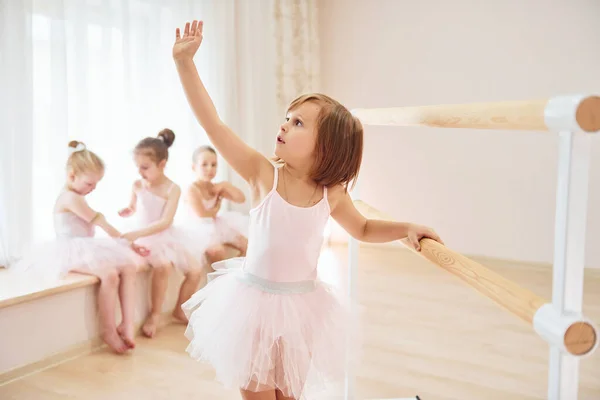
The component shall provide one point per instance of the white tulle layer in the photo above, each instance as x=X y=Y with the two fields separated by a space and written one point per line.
x=207 y=232
x=289 y=338
x=56 y=258
x=172 y=246
x=199 y=234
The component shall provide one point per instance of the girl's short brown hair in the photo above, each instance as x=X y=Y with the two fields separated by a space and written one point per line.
x=339 y=146
x=157 y=148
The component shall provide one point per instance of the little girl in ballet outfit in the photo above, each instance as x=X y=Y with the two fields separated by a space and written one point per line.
x=154 y=199
x=75 y=248
x=269 y=326
x=212 y=229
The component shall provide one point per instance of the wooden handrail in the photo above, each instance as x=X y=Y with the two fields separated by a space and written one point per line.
x=580 y=112
x=508 y=294
x=579 y=338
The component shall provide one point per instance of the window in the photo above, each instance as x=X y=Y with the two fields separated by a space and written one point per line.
x=106 y=79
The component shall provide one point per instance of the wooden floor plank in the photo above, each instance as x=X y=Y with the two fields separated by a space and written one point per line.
x=425 y=333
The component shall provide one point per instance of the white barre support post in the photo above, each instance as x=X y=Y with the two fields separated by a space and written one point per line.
x=350 y=381
x=569 y=254
x=569 y=235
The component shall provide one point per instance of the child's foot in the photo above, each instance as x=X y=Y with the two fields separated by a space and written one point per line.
x=114 y=341
x=150 y=325
x=127 y=334
x=179 y=315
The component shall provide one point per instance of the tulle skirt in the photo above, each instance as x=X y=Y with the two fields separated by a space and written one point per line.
x=199 y=234
x=229 y=225
x=172 y=246
x=261 y=335
x=55 y=258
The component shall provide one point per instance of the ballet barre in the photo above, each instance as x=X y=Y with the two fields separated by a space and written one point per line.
x=533 y=115
x=560 y=322
x=574 y=334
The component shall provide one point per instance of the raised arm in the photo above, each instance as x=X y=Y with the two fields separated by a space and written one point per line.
x=78 y=206
x=164 y=222
x=248 y=162
x=374 y=230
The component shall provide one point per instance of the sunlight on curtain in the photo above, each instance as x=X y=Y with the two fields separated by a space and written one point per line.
x=101 y=72
x=104 y=75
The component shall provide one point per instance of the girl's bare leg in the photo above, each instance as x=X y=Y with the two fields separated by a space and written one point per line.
x=268 y=394
x=279 y=396
x=107 y=301
x=216 y=253
x=302 y=368
x=193 y=278
x=127 y=299
x=240 y=244
x=160 y=281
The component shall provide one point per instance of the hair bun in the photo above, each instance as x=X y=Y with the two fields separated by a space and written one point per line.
x=75 y=143
x=167 y=136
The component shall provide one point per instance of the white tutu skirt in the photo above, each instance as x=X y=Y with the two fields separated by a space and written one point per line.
x=258 y=339
x=171 y=246
x=229 y=225
x=54 y=259
x=199 y=234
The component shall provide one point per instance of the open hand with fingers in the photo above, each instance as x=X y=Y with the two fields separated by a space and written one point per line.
x=187 y=44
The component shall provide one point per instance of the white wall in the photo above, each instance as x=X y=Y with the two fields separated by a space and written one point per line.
x=487 y=193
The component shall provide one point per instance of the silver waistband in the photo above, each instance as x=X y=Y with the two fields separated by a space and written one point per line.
x=277 y=287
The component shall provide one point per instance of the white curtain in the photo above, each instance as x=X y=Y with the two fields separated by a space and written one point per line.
x=276 y=56
x=15 y=127
x=100 y=71
x=297 y=47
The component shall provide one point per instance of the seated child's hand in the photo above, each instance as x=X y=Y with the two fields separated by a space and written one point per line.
x=141 y=250
x=217 y=190
x=126 y=212
x=418 y=232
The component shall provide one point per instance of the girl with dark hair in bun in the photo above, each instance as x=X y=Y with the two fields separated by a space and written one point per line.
x=154 y=198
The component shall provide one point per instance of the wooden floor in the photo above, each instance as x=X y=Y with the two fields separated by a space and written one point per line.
x=425 y=333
